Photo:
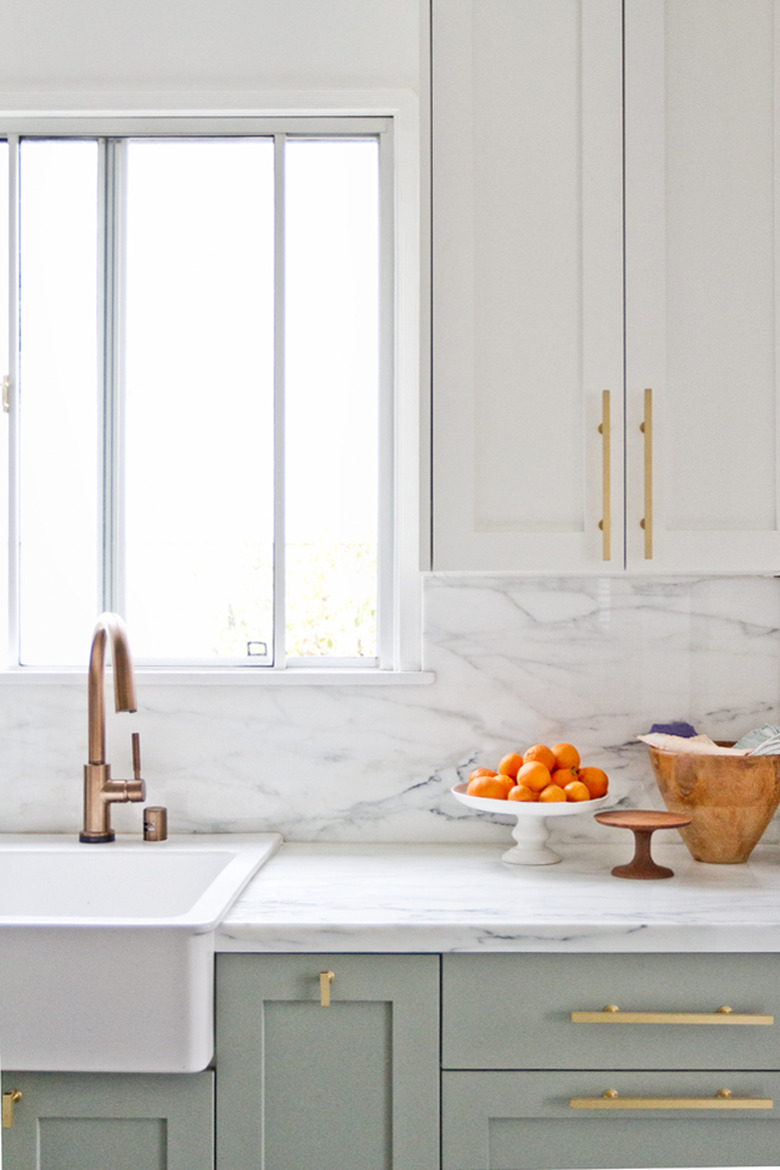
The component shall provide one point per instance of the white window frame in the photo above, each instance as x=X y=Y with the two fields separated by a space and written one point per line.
x=399 y=609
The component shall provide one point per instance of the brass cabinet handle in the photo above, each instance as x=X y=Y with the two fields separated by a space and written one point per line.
x=646 y=427
x=605 y=524
x=612 y=1014
x=723 y=1099
x=9 y=1100
x=326 y=978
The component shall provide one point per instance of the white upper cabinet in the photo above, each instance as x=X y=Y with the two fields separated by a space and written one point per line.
x=702 y=234
x=530 y=276
x=527 y=268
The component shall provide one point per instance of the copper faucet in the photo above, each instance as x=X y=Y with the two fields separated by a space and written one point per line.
x=100 y=791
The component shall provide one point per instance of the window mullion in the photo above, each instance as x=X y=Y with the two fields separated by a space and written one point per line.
x=14 y=337
x=387 y=624
x=111 y=269
x=280 y=623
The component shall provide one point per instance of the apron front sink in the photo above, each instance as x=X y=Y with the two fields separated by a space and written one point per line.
x=107 y=951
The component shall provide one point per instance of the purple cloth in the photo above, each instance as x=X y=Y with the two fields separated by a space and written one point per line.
x=683 y=729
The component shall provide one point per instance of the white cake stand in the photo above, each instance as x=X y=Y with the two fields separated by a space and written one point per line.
x=530 y=831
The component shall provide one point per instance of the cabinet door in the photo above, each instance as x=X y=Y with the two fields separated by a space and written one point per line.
x=702 y=281
x=353 y=1085
x=527 y=280
x=90 y=1121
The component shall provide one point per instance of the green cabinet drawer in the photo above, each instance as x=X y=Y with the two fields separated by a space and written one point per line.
x=514 y=1011
x=524 y=1121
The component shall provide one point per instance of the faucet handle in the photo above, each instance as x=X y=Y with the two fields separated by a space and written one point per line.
x=135 y=789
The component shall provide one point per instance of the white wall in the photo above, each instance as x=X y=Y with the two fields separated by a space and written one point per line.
x=130 y=46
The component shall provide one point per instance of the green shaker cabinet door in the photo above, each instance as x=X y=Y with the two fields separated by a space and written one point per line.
x=90 y=1121
x=353 y=1085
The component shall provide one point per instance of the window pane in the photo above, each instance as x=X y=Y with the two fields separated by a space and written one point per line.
x=3 y=256
x=332 y=393
x=199 y=398
x=58 y=389
x=4 y=369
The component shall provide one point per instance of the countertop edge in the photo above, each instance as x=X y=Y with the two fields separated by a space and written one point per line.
x=405 y=898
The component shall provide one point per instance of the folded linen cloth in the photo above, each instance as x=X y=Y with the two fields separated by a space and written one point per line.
x=770 y=747
x=696 y=744
x=761 y=741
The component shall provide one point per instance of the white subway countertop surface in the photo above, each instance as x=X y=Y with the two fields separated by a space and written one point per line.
x=436 y=898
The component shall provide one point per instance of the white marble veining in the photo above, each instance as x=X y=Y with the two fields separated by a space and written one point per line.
x=516 y=660
x=437 y=898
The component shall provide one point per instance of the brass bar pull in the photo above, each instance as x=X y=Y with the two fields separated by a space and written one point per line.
x=326 y=978
x=612 y=1014
x=723 y=1099
x=9 y=1100
x=646 y=427
x=605 y=523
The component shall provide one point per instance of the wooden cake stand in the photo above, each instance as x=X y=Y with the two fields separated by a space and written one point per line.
x=642 y=823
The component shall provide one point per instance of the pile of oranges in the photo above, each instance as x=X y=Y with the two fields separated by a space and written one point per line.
x=546 y=774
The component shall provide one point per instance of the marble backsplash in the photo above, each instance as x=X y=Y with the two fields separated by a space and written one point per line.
x=593 y=661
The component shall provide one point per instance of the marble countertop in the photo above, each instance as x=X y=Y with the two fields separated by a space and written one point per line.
x=435 y=898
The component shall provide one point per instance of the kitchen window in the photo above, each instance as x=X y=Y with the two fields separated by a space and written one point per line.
x=202 y=392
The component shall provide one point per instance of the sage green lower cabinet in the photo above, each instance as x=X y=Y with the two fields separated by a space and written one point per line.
x=353 y=1085
x=601 y=1061
x=95 y=1121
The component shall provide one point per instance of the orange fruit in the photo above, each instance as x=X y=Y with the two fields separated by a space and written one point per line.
x=552 y=793
x=520 y=792
x=566 y=755
x=564 y=776
x=533 y=775
x=596 y=781
x=576 y=790
x=540 y=754
x=507 y=781
x=510 y=764
x=481 y=772
x=492 y=787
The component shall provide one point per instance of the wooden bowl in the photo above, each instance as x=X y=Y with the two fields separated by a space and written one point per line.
x=730 y=799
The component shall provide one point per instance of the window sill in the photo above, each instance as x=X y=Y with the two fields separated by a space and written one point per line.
x=257 y=676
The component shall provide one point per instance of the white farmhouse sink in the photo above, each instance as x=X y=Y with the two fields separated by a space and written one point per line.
x=106 y=951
